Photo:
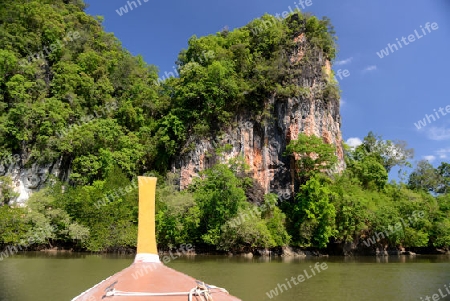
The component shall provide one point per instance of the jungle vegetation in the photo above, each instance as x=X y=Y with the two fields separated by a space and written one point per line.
x=70 y=93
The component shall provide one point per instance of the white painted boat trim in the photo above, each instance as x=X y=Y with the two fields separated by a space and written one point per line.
x=147 y=257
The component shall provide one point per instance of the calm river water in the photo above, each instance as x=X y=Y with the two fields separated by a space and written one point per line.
x=58 y=277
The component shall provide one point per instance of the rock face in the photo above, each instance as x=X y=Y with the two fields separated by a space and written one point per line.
x=27 y=180
x=262 y=140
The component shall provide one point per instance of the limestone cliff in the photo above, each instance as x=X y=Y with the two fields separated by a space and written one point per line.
x=265 y=66
x=28 y=179
x=262 y=140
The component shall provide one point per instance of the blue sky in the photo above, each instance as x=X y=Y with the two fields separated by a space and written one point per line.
x=385 y=95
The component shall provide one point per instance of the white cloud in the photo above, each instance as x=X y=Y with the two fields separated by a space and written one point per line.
x=344 y=62
x=438 y=133
x=442 y=153
x=342 y=102
x=430 y=158
x=370 y=68
x=353 y=142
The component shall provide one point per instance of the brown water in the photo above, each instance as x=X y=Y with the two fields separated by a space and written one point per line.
x=43 y=277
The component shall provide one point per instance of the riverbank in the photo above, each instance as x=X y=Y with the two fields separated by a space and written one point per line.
x=190 y=250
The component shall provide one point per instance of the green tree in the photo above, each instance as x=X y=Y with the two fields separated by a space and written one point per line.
x=440 y=232
x=443 y=171
x=311 y=156
x=219 y=194
x=177 y=217
x=13 y=226
x=7 y=193
x=312 y=218
x=424 y=177
x=370 y=172
x=388 y=153
x=50 y=224
x=115 y=199
x=246 y=233
x=352 y=203
x=275 y=220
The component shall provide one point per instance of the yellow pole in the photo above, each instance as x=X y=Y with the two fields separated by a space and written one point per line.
x=146 y=231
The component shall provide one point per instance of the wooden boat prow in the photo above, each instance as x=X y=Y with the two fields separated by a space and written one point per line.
x=147 y=278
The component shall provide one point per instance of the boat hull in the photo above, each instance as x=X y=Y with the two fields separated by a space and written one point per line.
x=146 y=278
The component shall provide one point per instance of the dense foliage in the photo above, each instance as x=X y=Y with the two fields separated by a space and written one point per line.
x=70 y=93
x=360 y=204
x=213 y=212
